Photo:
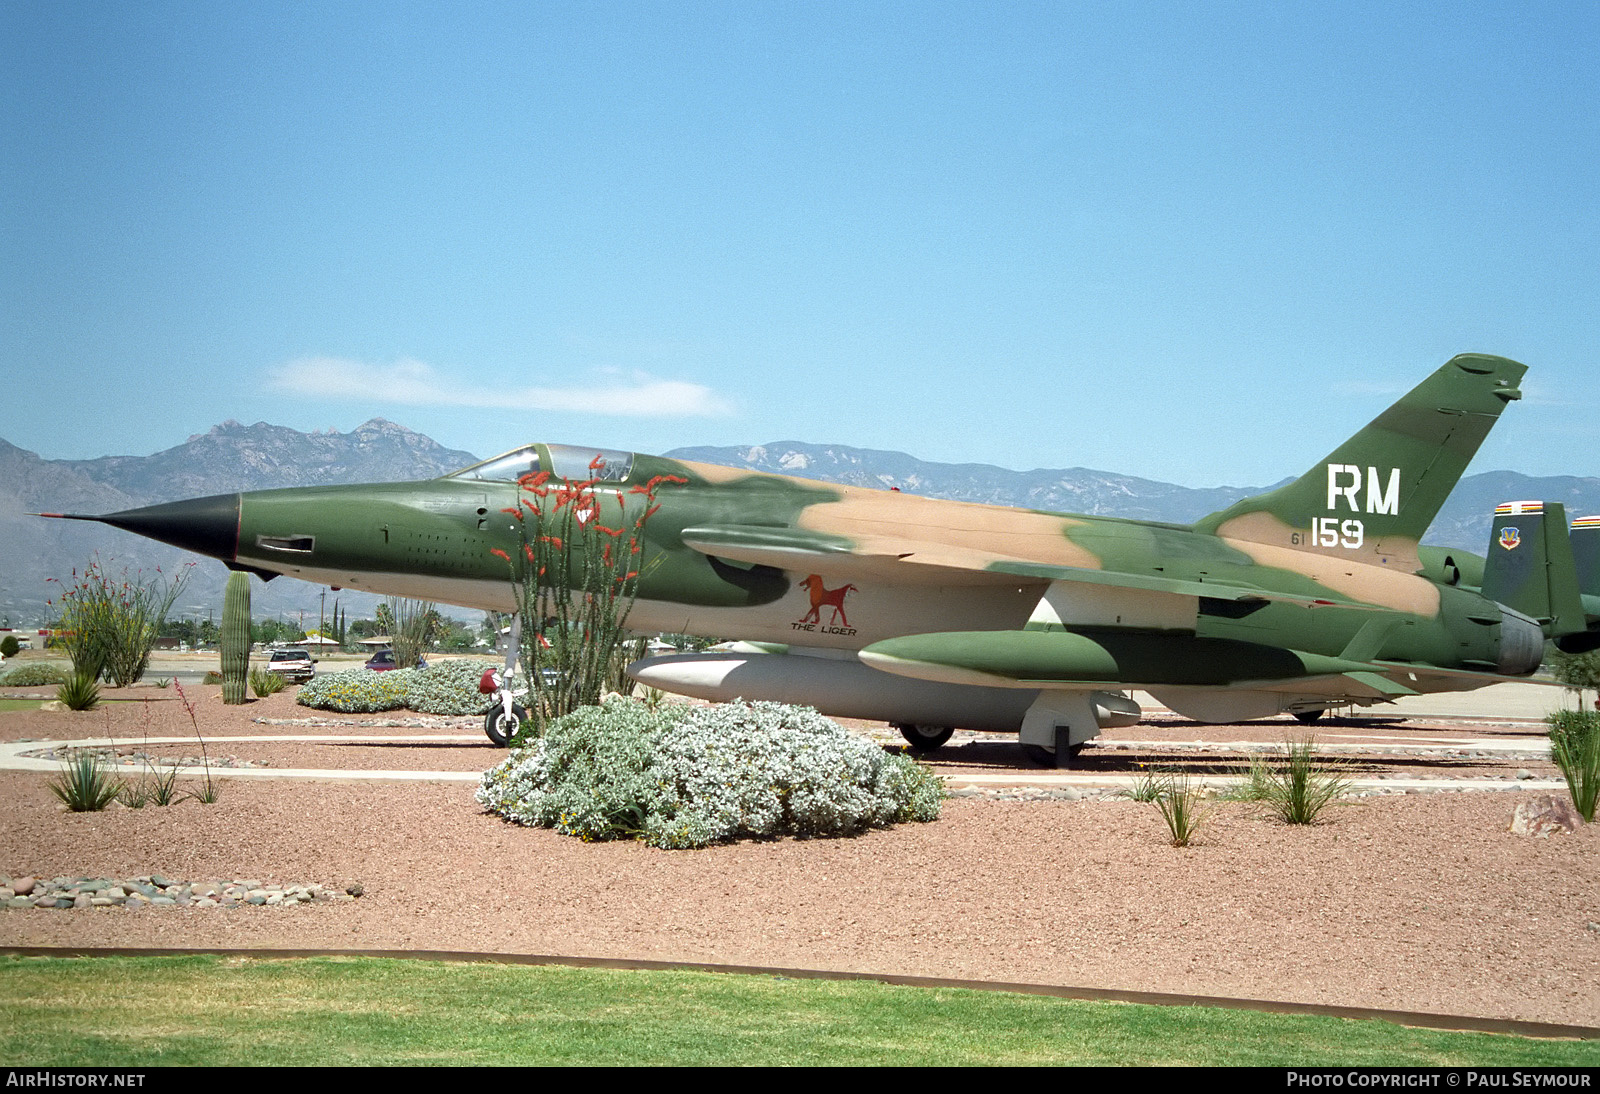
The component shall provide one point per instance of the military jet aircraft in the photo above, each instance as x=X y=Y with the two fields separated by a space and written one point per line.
x=936 y=614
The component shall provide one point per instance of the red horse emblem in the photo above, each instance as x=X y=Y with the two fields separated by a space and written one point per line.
x=821 y=596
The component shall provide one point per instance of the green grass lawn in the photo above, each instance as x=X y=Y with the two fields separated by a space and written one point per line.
x=115 y=1011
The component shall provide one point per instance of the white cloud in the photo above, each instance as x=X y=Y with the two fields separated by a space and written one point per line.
x=416 y=383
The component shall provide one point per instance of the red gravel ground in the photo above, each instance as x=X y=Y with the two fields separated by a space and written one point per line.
x=1415 y=902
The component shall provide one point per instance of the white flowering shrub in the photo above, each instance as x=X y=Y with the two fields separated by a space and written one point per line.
x=588 y=776
x=357 y=691
x=448 y=687
x=682 y=777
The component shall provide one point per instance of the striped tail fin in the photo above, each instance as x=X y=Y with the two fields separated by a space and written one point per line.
x=1530 y=568
x=1371 y=499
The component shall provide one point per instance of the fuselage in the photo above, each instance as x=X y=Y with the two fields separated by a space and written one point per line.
x=437 y=539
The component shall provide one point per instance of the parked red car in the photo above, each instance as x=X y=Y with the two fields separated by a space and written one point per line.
x=383 y=661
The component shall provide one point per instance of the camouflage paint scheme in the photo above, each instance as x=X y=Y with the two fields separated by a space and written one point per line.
x=884 y=604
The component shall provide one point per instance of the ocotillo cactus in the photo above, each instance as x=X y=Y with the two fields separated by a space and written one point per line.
x=235 y=638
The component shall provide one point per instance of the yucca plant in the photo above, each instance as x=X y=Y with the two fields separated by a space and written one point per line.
x=135 y=795
x=209 y=791
x=80 y=692
x=1179 y=799
x=1256 y=785
x=1147 y=787
x=1301 y=788
x=84 y=785
x=265 y=683
x=164 y=785
x=1575 y=747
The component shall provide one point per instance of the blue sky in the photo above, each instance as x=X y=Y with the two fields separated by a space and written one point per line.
x=1199 y=242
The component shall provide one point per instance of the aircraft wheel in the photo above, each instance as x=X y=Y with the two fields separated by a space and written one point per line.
x=1040 y=755
x=1306 y=717
x=924 y=738
x=1045 y=757
x=501 y=729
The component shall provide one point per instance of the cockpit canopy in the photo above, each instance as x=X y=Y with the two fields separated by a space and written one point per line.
x=565 y=462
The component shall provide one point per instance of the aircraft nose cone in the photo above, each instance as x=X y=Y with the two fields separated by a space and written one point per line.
x=207 y=526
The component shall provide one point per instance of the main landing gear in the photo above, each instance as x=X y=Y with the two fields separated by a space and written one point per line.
x=924 y=738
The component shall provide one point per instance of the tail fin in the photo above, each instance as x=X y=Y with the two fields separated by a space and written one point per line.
x=1373 y=497
x=1530 y=567
x=1586 y=553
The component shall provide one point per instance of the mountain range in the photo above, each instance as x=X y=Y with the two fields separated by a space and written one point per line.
x=233 y=457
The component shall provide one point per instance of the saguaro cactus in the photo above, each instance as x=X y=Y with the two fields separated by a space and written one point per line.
x=235 y=638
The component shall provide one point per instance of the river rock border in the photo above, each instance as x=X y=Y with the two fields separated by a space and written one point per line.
x=154 y=890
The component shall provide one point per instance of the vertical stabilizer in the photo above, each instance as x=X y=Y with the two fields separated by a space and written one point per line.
x=1530 y=568
x=1586 y=553
x=1372 y=498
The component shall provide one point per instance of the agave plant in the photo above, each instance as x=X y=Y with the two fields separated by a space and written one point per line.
x=265 y=683
x=84 y=785
x=80 y=692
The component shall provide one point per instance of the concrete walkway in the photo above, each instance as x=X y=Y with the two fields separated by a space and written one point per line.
x=14 y=756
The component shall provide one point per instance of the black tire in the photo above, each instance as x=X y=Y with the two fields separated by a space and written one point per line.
x=1306 y=717
x=1045 y=757
x=498 y=729
x=924 y=738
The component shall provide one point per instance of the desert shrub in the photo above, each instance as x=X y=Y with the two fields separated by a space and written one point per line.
x=80 y=692
x=1147 y=787
x=33 y=675
x=448 y=687
x=357 y=691
x=588 y=776
x=414 y=622
x=1256 y=785
x=1179 y=802
x=1300 y=788
x=83 y=784
x=156 y=785
x=1575 y=747
x=111 y=623
x=265 y=683
x=212 y=677
x=682 y=777
x=1578 y=671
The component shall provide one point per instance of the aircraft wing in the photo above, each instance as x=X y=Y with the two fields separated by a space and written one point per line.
x=907 y=561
